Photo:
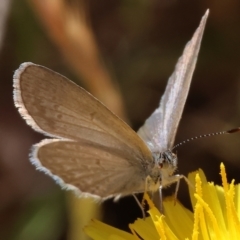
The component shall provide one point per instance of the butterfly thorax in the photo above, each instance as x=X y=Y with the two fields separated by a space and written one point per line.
x=165 y=166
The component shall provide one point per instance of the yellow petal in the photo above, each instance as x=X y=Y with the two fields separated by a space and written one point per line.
x=145 y=229
x=237 y=199
x=178 y=218
x=101 y=231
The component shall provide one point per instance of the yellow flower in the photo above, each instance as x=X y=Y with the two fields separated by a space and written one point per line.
x=216 y=216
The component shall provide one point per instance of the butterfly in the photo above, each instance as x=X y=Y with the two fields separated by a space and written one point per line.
x=92 y=151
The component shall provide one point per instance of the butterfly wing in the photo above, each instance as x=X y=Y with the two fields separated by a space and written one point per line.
x=160 y=128
x=55 y=106
x=87 y=168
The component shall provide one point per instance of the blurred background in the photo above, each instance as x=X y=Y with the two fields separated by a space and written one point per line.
x=123 y=53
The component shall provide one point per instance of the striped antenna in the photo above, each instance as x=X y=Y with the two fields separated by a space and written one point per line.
x=207 y=135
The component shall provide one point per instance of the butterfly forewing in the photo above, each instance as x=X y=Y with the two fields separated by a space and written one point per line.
x=160 y=128
x=54 y=105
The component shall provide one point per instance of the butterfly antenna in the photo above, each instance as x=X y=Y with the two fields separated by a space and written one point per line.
x=207 y=135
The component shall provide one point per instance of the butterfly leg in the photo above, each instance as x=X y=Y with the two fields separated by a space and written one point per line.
x=146 y=187
x=151 y=195
x=176 y=179
x=140 y=205
x=148 y=179
x=177 y=186
x=161 y=199
x=176 y=191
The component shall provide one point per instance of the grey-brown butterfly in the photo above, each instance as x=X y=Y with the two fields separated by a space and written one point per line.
x=92 y=151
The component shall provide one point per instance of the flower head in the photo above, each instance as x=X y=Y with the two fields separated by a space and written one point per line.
x=216 y=215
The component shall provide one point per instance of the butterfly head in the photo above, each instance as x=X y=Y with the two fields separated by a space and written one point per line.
x=164 y=167
x=166 y=162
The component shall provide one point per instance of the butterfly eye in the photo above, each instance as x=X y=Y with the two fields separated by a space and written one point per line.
x=160 y=164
